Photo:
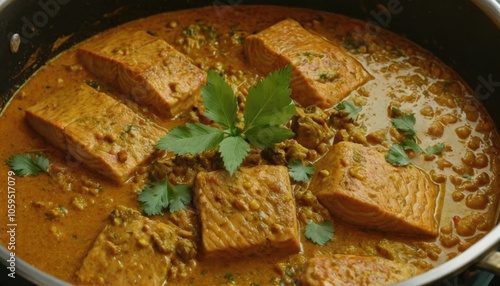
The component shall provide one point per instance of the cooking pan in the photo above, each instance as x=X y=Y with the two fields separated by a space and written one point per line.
x=464 y=34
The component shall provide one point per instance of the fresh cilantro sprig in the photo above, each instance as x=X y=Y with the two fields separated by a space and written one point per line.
x=405 y=122
x=163 y=195
x=267 y=107
x=300 y=172
x=319 y=233
x=27 y=165
x=350 y=108
x=397 y=156
x=434 y=149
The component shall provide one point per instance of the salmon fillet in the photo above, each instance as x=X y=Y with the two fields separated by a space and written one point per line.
x=130 y=250
x=251 y=213
x=354 y=270
x=358 y=186
x=49 y=119
x=148 y=69
x=322 y=73
x=103 y=134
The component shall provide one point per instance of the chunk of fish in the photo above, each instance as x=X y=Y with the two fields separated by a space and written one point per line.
x=354 y=270
x=147 y=68
x=251 y=213
x=130 y=250
x=358 y=186
x=323 y=74
x=103 y=134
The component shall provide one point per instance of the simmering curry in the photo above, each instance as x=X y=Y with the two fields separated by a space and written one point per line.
x=382 y=163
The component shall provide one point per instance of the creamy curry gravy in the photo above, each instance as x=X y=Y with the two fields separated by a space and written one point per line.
x=403 y=75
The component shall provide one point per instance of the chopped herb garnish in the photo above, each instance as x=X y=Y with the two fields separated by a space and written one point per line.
x=189 y=31
x=404 y=122
x=229 y=277
x=267 y=108
x=397 y=156
x=127 y=128
x=300 y=172
x=434 y=149
x=325 y=76
x=26 y=165
x=164 y=195
x=411 y=144
x=350 y=108
x=93 y=83
x=319 y=233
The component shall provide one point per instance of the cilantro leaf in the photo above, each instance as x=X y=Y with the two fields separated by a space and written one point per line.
x=267 y=136
x=434 y=149
x=268 y=106
x=180 y=196
x=24 y=165
x=300 y=172
x=410 y=144
x=405 y=122
x=233 y=150
x=163 y=195
x=350 y=108
x=192 y=138
x=268 y=97
x=282 y=116
x=319 y=233
x=154 y=198
x=397 y=156
x=219 y=100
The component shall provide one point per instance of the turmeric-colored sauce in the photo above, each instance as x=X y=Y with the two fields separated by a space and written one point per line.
x=59 y=215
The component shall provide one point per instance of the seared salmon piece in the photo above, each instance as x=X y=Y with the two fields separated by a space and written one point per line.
x=131 y=250
x=109 y=49
x=49 y=119
x=103 y=134
x=354 y=270
x=322 y=73
x=148 y=69
x=251 y=213
x=358 y=186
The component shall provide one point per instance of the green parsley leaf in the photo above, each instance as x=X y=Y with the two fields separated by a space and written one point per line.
x=24 y=165
x=410 y=144
x=180 y=196
x=397 y=156
x=300 y=172
x=219 y=100
x=434 y=149
x=163 y=195
x=267 y=136
x=268 y=97
x=233 y=150
x=405 y=122
x=154 y=198
x=350 y=108
x=319 y=233
x=192 y=138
